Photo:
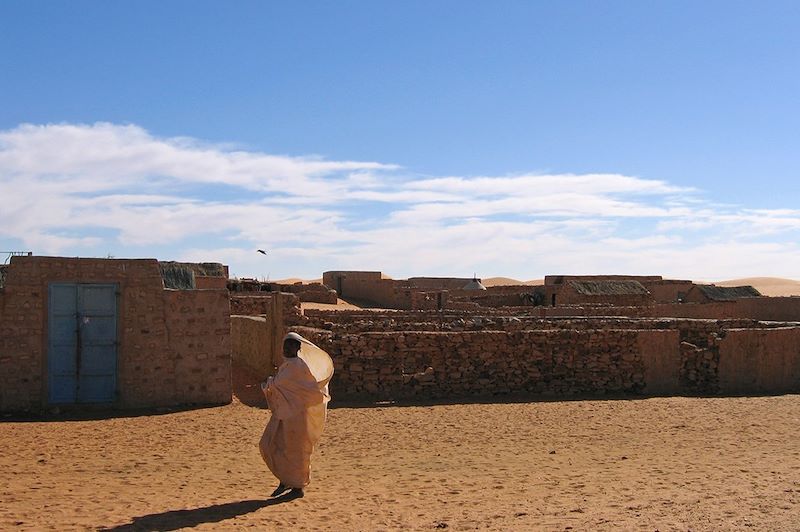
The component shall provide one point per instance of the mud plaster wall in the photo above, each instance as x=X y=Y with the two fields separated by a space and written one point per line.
x=251 y=343
x=174 y=346
x=760 y=361
x=257 y=343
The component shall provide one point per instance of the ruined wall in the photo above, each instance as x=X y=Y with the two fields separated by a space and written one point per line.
x=173 y=346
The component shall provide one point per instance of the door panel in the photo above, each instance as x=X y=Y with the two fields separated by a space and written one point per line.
x=97 y=307
x=82 y=359
x=63 y=343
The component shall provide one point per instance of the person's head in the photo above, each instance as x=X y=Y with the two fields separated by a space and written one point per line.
x=291 y=347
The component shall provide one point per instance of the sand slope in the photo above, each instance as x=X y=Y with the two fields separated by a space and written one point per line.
x=768 y=286
x=666 y=464
x=507 y=281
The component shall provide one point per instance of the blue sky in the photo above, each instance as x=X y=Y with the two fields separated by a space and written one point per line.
x=417 y=138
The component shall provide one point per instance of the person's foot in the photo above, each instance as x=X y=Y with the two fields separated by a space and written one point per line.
x=280 y=489
x=295 y=493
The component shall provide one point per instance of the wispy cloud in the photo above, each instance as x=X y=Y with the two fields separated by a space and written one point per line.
x=104 y=188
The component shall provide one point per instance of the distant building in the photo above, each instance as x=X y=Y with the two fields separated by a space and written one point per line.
x=709 y=293
x=474 y=284
x=620 y=290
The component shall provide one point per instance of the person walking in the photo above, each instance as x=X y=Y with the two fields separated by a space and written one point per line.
x=298 y=398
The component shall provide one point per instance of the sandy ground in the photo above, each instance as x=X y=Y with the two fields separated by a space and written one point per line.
x=652 y=464
x=341 y=304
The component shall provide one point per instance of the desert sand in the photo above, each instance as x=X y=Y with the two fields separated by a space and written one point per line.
x=768 y=286
x=646 y=464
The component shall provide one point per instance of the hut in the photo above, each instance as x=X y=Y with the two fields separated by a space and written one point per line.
x=78 y=331
x=710 y=293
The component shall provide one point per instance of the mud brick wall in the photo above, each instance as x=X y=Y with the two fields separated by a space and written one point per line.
x=20 y=348
x=173 y=346
x=758 y=361
x=252 y=345
x=786 y=309
x=198 y=326
x=668 y=291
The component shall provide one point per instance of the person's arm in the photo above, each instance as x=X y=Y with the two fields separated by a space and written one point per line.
x=265 y=385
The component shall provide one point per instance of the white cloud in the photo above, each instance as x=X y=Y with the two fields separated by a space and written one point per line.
x=105 y=188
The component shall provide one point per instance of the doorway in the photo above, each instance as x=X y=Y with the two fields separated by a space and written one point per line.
x=82 y=343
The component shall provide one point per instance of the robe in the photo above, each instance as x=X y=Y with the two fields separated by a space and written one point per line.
x=298 y=398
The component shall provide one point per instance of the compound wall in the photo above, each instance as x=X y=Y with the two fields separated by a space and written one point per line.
x=690 y=357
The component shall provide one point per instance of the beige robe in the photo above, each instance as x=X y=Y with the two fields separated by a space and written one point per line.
x=298 y=398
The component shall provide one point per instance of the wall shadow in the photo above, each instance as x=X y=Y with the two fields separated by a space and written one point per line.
x=177 y=519
x=95 y=412
x=527 y=398
x=246 y=384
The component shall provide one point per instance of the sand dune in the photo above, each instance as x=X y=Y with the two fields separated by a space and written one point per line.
x=652 y=464
x=768 y=286
x=507 y=281
x=341 y=304
x=293 y=280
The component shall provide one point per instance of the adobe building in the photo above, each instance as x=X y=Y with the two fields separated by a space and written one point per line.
x=618 y=290
x=709 y=293
x=113 y=332
x=373 y=288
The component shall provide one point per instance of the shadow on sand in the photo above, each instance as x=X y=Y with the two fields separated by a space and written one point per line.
x=177 y=519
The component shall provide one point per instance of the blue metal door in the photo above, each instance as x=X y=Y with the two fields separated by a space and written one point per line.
x=82 y=356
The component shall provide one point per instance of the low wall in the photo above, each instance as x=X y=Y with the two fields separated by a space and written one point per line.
x=260 y=303
x=757 y=361
x=699 y=358
x=786 y=309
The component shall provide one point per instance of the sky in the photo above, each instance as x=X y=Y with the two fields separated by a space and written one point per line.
x=452 y=138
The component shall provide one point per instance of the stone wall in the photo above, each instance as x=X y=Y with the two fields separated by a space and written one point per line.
x=260 y=303
x=173 y=346
x=573 y=357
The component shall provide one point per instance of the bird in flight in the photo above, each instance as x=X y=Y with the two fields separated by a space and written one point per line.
x=261 y=251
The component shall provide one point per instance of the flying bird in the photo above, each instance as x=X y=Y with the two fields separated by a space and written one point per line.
x=261 y=251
